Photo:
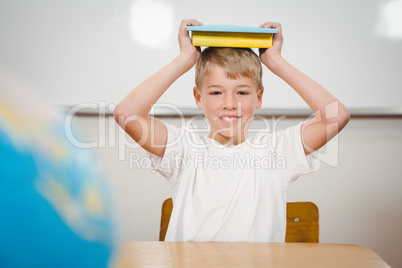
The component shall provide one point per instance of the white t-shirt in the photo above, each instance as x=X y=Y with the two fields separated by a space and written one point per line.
x=231 y=193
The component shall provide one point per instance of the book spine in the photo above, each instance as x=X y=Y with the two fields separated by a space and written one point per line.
x=228 y=39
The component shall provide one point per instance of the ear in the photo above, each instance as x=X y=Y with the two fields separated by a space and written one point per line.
x=197 y=97
x=259 y=98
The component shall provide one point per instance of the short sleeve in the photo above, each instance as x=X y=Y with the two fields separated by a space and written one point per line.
x=169 y=165
x=297 y=163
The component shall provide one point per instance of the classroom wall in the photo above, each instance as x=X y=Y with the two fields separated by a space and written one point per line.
x=85 y=51
x=359 y=197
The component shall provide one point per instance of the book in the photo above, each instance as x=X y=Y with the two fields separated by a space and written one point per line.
x=231 y=36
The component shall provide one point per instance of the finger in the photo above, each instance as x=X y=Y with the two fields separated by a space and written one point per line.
x=278 y=36
x=187 y=22
x=273 y=25
x=270 y=24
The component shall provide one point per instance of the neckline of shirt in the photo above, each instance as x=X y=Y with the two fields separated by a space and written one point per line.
x=221 y=146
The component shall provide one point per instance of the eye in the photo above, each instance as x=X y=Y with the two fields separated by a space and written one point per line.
x=242 y=93
x=214 y=93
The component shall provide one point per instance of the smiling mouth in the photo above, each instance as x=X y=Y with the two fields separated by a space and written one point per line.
x=229 y=119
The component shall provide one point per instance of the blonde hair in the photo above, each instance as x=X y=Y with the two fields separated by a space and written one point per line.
x=235 y=61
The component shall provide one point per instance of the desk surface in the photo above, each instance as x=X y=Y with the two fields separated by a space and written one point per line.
x=223 y=254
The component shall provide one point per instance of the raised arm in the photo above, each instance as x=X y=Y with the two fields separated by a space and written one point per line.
x=330 y=115
x=132 y=113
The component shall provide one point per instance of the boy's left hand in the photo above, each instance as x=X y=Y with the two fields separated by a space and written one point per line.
x=267 y=54
x=331 y=116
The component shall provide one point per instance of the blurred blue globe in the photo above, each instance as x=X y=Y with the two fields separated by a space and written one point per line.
x=54 y=203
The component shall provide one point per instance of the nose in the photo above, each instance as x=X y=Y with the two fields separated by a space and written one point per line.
x=230 y=102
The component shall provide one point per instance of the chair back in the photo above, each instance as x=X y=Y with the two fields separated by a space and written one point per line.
x=167 y=208
x=302 y=221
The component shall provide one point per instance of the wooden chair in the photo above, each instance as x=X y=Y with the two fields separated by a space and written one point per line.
x=302 y=221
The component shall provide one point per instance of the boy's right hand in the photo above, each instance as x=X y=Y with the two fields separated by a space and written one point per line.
x=186 y=47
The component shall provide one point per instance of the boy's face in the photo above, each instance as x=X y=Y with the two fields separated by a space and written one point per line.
x=228 y=105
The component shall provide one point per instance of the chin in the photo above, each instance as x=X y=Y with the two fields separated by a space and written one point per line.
x=226 y=134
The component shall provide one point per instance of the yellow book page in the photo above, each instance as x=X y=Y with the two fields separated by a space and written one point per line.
x=232 y=39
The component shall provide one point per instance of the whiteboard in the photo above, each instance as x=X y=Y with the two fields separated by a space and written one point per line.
x=87 y=51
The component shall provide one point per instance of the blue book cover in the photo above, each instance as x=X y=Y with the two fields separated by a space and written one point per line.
x=230 y=28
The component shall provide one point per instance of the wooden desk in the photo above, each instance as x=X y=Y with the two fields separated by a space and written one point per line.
x=223 y=254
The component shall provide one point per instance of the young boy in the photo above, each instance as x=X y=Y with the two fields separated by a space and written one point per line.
x=222 y=188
